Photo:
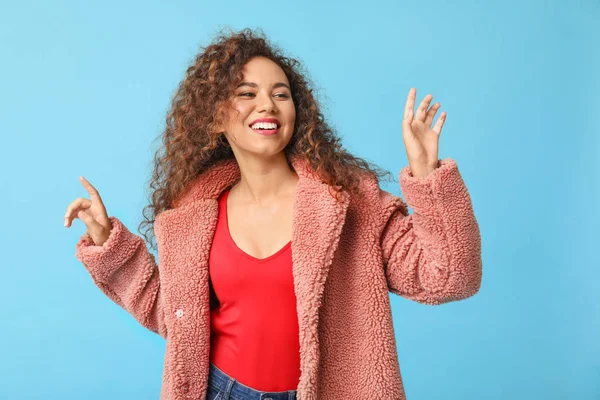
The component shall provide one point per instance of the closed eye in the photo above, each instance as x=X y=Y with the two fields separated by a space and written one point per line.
x=250 y=93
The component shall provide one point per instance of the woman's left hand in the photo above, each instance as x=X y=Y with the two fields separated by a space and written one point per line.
x=421 y=141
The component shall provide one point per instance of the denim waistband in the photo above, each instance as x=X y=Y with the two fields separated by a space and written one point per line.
x=235 y=390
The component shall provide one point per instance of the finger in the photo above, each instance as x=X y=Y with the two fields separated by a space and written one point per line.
x=431 y=115
x=440 y=123
x=95 y=196
x=74 y=207
x=422 y=110
x=410 y=105
x=88 y=220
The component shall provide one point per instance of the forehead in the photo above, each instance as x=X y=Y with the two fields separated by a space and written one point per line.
x=263 y=71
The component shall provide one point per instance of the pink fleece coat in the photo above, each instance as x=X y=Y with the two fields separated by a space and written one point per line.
x=346 y=257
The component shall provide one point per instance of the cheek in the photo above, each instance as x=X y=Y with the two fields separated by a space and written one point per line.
x=239 y=114
x=291 y=113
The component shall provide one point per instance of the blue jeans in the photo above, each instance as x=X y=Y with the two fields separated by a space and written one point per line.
x=223 y=387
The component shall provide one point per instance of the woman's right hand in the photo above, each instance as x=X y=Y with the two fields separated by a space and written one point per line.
x=92 y=213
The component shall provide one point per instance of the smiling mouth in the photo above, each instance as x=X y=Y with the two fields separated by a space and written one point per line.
x=276 y=124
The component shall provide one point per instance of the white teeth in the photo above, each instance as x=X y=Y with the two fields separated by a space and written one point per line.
x=264 y=125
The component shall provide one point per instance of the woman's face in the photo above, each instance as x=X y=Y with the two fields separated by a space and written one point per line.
x=263 y=93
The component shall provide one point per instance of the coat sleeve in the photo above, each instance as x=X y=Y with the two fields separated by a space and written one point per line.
x=432 y=256
x=124 y=269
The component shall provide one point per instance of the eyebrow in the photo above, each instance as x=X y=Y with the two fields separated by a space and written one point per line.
x=275 y=85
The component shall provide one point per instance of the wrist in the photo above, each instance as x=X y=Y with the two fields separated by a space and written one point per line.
x=421 y=171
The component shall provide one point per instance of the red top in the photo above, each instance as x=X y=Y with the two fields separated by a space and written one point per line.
x=254 y=331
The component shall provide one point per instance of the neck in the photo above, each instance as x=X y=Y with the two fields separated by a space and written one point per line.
x=263 y=180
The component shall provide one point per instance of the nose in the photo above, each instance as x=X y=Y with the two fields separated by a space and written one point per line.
x=266 y=103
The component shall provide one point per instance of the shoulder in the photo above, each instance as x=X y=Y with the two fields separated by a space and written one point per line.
x=370 y=194
x=375 y=204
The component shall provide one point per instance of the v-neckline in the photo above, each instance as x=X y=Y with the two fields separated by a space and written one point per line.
x=237 y=248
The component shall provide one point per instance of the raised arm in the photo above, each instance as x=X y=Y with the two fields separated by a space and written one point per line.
x=432 y=256
x=118 y=261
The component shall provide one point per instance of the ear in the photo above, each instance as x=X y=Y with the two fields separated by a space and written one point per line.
x=217 y=127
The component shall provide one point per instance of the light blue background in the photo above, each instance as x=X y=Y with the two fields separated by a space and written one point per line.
x=85 y=87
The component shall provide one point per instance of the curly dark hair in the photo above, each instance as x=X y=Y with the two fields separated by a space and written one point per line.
x=191 y=145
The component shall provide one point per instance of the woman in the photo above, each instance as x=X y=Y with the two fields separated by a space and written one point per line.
x=277 y=248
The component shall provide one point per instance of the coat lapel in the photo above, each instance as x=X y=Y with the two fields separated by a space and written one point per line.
x=184 y=237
